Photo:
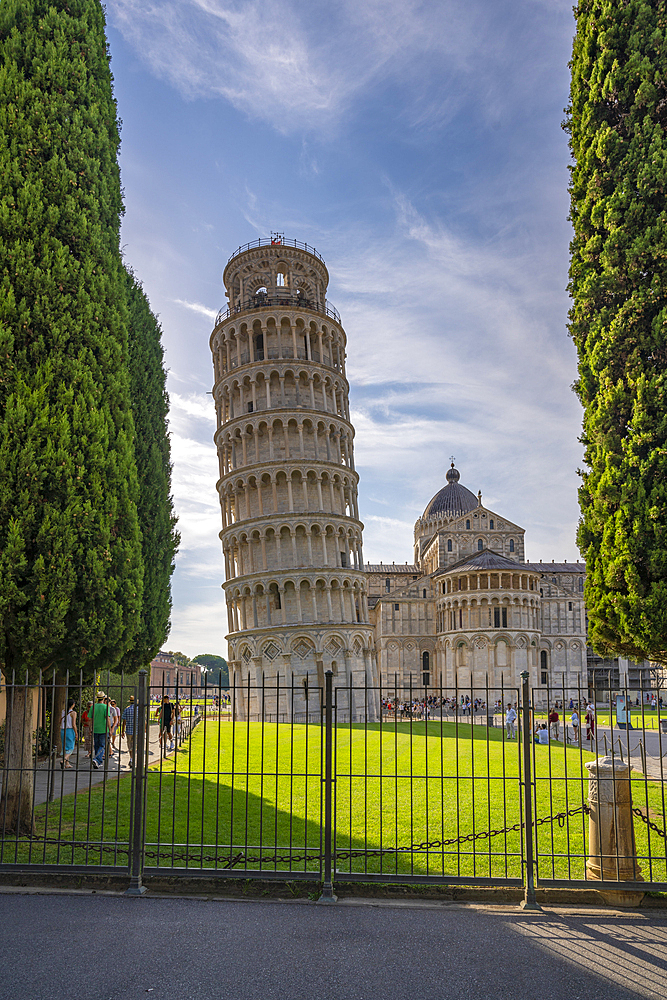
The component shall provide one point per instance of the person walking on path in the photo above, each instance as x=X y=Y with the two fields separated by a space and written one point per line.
x=87 y=723
x=114 y=719
x=68 y=733
x=165 y=713
x=590 y=723
x=127 y=727
x=510 y=719
x=100 y=730
x=574 y=719
x=177 y=723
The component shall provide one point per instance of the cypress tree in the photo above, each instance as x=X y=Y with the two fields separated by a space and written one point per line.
x=618 y=319
x=159 y=539
x=70 y=551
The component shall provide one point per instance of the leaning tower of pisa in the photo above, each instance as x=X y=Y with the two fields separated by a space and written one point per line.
x=291 y=534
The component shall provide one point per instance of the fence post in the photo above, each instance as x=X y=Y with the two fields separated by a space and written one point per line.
x=136 y=888
x=327 y=888
x=612 y=852
x=530 y=901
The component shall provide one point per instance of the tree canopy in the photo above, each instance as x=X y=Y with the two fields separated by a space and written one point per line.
x=86 y=540
x=618 y=319
x=217 y=670
x=71 y=573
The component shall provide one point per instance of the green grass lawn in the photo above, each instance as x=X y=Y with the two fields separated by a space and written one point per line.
x=244 y=791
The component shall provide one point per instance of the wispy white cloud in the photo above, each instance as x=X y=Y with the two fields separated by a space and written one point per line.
x=197 y=307
x=300 y=63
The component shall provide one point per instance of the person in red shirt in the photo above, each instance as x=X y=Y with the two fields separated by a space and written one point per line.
x=554 y=719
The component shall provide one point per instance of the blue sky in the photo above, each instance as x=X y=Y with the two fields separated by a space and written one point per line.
x=418 y=146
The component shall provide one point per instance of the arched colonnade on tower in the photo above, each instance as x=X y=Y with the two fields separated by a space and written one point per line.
x=256 y=441
x=275 y=337
x=287 y=491
x=295 y=600
x=292 y=545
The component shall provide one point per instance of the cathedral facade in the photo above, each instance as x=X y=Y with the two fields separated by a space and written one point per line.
x=470 y=611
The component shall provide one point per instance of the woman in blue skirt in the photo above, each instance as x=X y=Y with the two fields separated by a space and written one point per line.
x=68 y=733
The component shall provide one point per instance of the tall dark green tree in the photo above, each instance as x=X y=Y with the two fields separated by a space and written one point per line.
x=159 y=538
x=618 y=319
x=70 y=548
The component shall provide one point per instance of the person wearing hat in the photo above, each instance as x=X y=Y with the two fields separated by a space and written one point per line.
x=100 y=730
x=127 y=727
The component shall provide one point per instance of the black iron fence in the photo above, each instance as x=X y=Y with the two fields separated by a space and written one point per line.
x=336 y=782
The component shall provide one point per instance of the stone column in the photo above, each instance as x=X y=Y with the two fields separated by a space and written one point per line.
x=256 y=699
x=612 y=853
x=287 y=681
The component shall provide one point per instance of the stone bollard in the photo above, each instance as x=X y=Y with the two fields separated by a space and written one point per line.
x=611 y=832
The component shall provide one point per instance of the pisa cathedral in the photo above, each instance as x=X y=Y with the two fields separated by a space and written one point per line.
x=300 y=599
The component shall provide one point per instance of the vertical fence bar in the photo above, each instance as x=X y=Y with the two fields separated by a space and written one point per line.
x=136 y=888
x=530 y=901
x=327 y=888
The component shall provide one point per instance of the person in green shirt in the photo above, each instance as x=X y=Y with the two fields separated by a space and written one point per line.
x=100 y=731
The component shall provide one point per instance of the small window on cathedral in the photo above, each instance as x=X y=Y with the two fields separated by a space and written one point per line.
x=496 y=617
x=569 y=605
x=467 y=525
x=449 y=545
x=343 y=560
x=387 y=585
x=504 y=617
x=581 y=583
x=250 y=407
x=491 y=523
x=480 y=544
x=511 y=545
x=396 y=607
x=424 y=595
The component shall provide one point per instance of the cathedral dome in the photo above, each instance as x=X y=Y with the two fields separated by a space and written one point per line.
x=453 y=499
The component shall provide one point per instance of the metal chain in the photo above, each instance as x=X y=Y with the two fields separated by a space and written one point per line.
x=429 y=845
x=115 y=849
x=291 y=859
x=241 y=856
x=650 y=824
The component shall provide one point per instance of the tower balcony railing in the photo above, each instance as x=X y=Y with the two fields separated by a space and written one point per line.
x=275 y=241
x=286 y=299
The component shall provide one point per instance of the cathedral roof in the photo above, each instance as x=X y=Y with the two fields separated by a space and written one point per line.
x=488 y=559
x=453 y=499
x=560 y=567
x=392 y=568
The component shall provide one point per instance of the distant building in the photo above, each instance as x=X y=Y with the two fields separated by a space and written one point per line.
x=169 y=677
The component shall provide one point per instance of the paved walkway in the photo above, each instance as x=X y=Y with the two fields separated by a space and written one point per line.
x=83 y=775
x=104 y=947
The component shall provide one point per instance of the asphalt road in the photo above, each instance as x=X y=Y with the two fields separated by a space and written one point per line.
x=106 y=947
